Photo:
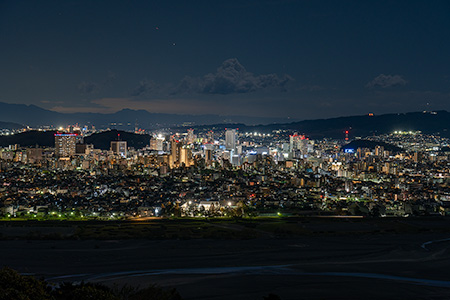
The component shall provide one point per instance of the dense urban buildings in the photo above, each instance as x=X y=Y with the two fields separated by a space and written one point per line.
x=228 y=173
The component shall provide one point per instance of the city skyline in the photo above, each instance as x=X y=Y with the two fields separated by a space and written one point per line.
x=296 y=59
x=238 y=149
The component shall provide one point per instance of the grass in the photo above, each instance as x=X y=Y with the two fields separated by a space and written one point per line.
x=217 y=228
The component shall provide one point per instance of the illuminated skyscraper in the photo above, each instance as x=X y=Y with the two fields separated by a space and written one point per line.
x=157 y=143
x=296 y=141
x=185 y=156
x=230 y=139
x=65 y=144
x=298 y=145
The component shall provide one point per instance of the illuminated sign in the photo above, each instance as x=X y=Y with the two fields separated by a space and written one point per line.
x=349 y=150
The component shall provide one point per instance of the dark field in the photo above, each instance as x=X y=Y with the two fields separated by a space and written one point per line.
x=306 y=258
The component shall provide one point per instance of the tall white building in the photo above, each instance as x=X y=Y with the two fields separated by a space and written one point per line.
x=230 y=139
x=157 y=143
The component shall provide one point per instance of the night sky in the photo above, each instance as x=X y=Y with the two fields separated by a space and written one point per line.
x=297 y=59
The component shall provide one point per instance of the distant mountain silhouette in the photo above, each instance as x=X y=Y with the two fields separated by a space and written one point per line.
x=10 y=125
x=100 y=140
x=427 y=122
x=125 y=119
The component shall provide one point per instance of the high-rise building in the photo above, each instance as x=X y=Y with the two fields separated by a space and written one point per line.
x=298 y=145
x=208 y=156
x=119 y=148
x=157 y=143
x=185 y=156
x=297 y=141
x=65 y=144
x=175 y=151
x=230 y=139
x=379 y=150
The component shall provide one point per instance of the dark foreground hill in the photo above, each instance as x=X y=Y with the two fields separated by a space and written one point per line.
x=103 y=139
x=366 y=125
x=100 y=140
x=29 y=139
x=370 y=145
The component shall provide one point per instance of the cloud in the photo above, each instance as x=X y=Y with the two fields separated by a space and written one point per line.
x=385 y=81
x=51 y=101
x=231 y=78
x=88 y=88
x=82 y=109
x=145 y=86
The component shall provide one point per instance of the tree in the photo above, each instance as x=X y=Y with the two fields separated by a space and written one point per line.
x=83 y=291
x=154 y=292
x=19 y=287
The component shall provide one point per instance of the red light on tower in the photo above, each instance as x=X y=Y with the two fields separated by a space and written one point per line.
x=346 y=135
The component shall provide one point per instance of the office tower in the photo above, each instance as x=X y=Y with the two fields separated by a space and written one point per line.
x=175 y=152
x=297 y=142
x=230 y=139
x=119 y=148
x=208 y=156
x=185 y=156
x=65 y=144
x=298 y=145
x=379 y=150
x=157 y=143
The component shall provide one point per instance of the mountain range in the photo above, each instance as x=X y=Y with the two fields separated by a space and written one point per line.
x=126 y=119
x=357 y=126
